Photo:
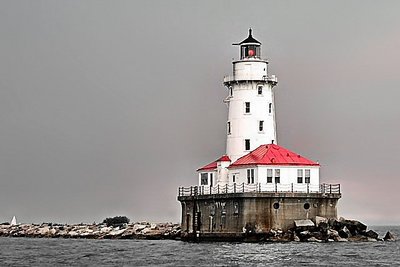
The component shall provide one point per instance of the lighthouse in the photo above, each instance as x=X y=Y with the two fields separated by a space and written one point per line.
x=251 y=115
x=257 y=184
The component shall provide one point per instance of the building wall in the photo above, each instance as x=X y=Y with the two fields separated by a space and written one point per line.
x=288 y=175
x=227 y=213
x=246 y=125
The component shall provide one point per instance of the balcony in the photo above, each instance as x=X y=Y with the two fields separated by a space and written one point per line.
x=259 y=188
x=271 y=79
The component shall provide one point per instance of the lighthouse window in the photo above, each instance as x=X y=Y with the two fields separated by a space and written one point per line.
x=250 y=176
x=269 y=175
x=270 y=108
x=307 y=176
x=277 y=176
x=299 y=176
x=261 y=126
x=260 y=90
x=247 y=144
x=229 y=127
x=204 y=179
x=230 y=91
x=247 y=107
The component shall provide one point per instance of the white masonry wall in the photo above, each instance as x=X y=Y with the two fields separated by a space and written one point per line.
x=288 y=176
x=246 y=125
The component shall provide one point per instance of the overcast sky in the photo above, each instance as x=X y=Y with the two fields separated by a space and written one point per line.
x=107 y=107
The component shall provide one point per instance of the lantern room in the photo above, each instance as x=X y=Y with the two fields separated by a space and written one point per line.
x=250 y=47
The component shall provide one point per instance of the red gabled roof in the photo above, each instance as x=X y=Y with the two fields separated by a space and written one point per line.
x=213 y=165
x=272 y=155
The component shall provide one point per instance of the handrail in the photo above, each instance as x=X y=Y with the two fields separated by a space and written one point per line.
x=258 y=188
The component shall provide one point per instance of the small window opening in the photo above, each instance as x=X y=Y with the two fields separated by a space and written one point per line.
x=307 y=179
x=270 y=108
x=299 y=176
x=276 y=205
x=269 y=175
x=261 y=126
x=204 y=179
x=306 y=206
x=250 y=176
x=247 y=107
x=247 y=144
x=228 y=126
x=277 y=176
x=260 y=90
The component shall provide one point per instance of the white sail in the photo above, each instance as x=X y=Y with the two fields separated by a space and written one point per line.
x=13 y=221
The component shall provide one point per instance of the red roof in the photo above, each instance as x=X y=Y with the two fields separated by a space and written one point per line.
x=213 y=165
x=272 y=155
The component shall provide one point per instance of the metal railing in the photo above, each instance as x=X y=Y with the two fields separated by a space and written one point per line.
x=231 y=78
x=259 y=188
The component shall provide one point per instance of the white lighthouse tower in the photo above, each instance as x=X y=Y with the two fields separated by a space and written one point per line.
x=251 y=116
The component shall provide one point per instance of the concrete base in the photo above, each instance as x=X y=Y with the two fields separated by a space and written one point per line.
x=237 y=216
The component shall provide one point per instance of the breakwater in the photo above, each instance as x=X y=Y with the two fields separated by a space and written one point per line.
x=140 y=230
x=319 y=230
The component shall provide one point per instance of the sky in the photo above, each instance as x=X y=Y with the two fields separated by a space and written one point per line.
x=107 y=107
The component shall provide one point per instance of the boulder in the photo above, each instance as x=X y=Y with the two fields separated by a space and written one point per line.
x=304 y=223
x=355 y=227
x=371 y=234
x=340 y=239
x=313 y=239
x=296 y=238
x=319 y=219
x=344 y=232
x=332 y=234
x=389 y=237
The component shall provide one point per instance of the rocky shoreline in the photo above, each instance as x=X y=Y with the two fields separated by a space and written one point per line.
x=319 y=230
x=140 y=230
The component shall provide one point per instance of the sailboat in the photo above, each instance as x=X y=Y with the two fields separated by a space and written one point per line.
x=13 y=221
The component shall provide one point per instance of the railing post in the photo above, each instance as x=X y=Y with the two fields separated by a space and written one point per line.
x=226 y=189
x=330 y=189
x=276 y=187
x=339 y=188
x=243 y=186
x=308 y=188
x=191 y=190
x=292 y=186
x=218 y=188
x=234 y=188
x=259 y=187
x=210 y=189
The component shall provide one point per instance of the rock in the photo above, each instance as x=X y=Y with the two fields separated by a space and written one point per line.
x=371 y=234
x=340 y=239
x=332 y=233
x=313 y=239
x=355 y=227
x=323 y=227
x=389 y=237
x=358 y=238
x=344 y=232
x=369 y=239
x=139 y=227
x=296 y=238
x=303 y=223
x=319 y=219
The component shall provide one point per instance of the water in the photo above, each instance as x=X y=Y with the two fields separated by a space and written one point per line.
x=80 y=252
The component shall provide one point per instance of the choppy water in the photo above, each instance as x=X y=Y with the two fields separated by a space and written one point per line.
x=79 y=252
